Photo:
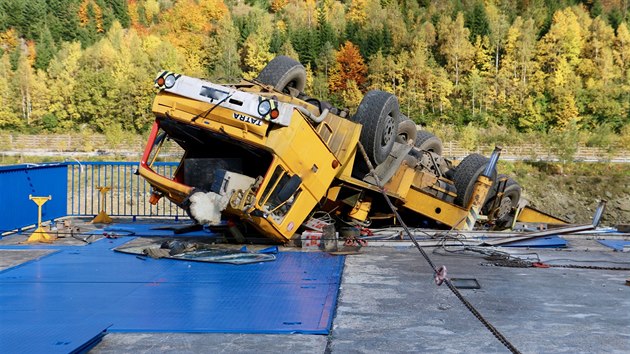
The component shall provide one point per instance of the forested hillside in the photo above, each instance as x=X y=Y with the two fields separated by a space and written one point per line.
x=529 y=65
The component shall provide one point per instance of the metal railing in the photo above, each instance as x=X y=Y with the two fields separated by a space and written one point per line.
x=75 y=146
x=128 y=193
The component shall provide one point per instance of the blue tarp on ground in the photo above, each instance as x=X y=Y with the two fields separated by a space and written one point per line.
x=296 y=293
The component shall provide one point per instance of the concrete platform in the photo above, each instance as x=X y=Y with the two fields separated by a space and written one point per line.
x=388 y=303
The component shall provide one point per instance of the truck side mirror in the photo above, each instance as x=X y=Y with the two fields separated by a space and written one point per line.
x=289 y=188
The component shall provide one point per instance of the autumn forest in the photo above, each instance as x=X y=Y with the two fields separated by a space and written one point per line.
x=527 y=66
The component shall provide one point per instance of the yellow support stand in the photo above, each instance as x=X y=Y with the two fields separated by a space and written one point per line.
x=40 y=235
x=102 y=217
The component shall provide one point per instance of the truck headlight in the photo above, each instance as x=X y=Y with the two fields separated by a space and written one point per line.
x=264 y=107
x=169 y=81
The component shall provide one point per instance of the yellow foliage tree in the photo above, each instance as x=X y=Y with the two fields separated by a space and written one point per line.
x=439 y=90
x=376 y=72
x=565 y=39
x=357 y=12
x=564 y=108
x=622 y=46
x=224 y=56
x=62 y=73
x=454 y=45
x=9 y=40
x=418 y=77
x=277 y=5
x=256 y=52
x=187 y=26
x=398 y=29
x=287 y=49
x=8 y=116
x=84 y=14
x=132 y=9
x=351 y=95
x=301 y=13
x=151 y=10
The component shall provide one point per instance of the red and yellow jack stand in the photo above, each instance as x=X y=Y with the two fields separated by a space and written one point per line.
x=102 y=217
x=39 y=235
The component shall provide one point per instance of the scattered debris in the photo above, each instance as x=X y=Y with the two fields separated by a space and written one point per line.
x=200 y=252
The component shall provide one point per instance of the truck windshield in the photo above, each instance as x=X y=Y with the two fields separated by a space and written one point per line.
x=270 y=201
x=164 y=149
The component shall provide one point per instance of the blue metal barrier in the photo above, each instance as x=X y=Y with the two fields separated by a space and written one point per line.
x=128 y=195
x=20 y=181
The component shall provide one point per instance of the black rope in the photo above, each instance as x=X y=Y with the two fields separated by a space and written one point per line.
x=450 y=285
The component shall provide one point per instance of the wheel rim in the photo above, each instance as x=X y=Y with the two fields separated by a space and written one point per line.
x=388 y=132
x=504 y=208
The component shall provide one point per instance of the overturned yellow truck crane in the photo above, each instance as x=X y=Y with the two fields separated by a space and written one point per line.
x=263 y=153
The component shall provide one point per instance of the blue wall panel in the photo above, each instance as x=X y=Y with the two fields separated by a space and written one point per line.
x=19 y=181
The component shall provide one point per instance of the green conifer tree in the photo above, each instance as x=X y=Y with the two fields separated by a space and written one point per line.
x=45 y=49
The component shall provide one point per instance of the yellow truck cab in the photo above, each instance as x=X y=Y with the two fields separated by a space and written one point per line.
x=263 y=153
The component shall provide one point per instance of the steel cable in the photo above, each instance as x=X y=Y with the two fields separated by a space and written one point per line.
x=446 y=280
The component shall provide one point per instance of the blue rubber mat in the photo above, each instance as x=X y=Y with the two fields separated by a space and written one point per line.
x=617 y=245
x=78 y=335
x=296 y=293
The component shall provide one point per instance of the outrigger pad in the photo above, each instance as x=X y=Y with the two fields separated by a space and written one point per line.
x=296 y=293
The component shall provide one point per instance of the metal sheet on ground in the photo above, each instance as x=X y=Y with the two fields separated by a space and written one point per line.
x=543 y=242
x=295 y=294
x=206 y=253
x=152 y=230
x=617 y=245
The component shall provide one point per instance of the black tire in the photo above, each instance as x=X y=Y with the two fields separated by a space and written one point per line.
x=428 y=142
x=283 y=72
x=379 y=114
x=406 y=130
x=509 y=200
x=465 y=176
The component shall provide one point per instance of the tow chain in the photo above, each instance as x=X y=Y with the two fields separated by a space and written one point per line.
x=440 y=274
x=586 y=267
x=499 y=261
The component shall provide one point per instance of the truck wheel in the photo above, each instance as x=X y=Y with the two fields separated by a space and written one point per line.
x=379 y=115
x=428 y=142
x=406 y=130
x=510 y=199
x=465 y=176
x=283 y=72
